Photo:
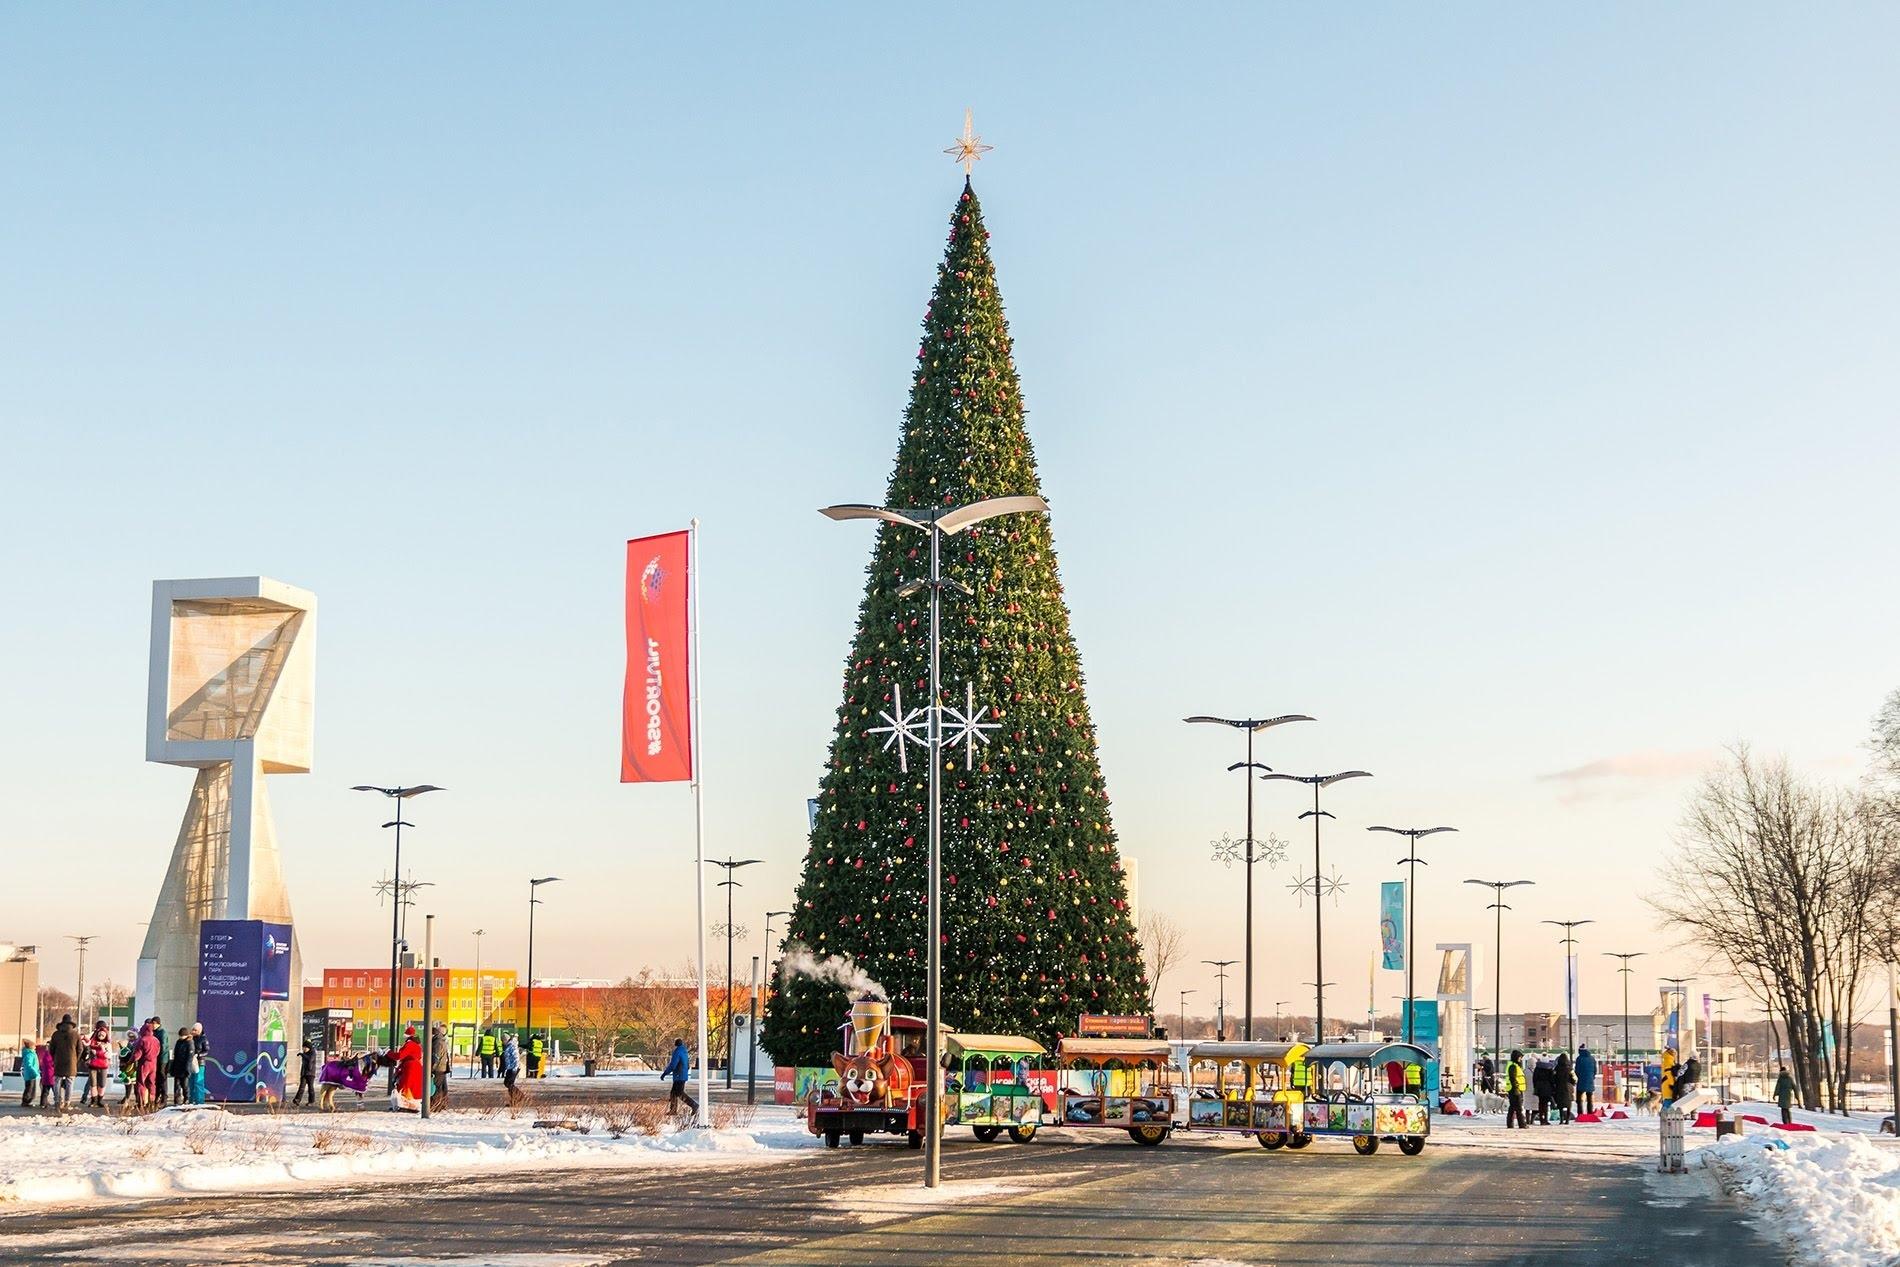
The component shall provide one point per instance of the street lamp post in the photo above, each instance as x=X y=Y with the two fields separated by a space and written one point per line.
x=534 y=1066
x=397 y=794
x=79 y=999
x=769 y=917
x=1572 y=985
x=1497 y=966
x=1316 y=782
x=1624 y=957
x=1279 y=1031
x=1413 y=861
x=1253 y=726
x=1184 y=995
x=731 y=865
x=752 y=1046
x=939 y=522
x=476 y=1042
x=1220 y=974
x=428 y=1013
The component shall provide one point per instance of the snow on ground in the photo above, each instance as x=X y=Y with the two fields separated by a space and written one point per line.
x=1835 y=1199
x=81 y=1158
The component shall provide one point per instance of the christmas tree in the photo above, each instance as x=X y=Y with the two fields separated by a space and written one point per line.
x=1036 y=926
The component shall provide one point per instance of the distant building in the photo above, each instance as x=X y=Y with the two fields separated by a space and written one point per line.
x=19 y=996
x=463 y=1001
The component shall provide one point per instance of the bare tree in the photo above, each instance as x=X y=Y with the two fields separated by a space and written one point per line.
x=1161 y=944
x=1790 y=884
x=602 y=1019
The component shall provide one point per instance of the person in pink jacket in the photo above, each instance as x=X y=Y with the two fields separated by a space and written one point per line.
x=145 y=1061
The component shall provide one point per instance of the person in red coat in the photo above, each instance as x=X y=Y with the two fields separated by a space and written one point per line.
x=145 y=1060
x=407 y=1093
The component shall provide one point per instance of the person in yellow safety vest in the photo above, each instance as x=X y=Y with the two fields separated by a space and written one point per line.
x=1514 y=1092
x=1415 y=1079
x=1299 y=1076
x=490 y=1049
x=534 y=1057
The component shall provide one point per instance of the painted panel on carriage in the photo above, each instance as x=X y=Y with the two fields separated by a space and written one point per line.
x=1270 y=1117
x=1400 y=1119
x=1206 y=1111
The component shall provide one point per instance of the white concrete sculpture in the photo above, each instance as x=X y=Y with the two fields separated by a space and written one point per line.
x=232 y=678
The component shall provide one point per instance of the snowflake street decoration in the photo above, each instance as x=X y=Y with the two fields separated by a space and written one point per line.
x=902 y=727
x=964 y=726
x=967 y=727
x=1318 y=885
x=1228 y=851
x=736 y=931
x=1271 y=851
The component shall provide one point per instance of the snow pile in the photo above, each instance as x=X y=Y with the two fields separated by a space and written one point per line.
x=1835 y=1200
x=180 y=1151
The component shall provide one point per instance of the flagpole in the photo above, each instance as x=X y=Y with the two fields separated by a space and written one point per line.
x=699 y=811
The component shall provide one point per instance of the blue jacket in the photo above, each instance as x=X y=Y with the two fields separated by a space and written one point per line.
x=1587 y=1069
x=30 y=1064
x=678 y=1066
x=510 y=1056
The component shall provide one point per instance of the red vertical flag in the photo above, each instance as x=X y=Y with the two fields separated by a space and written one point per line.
x=656 y=733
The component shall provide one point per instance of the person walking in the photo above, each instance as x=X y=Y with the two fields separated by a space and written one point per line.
x=179 y=1066
x=489 y=1052
x=66 y=1057
x=1487 y=1076
x=678 y=1067
x=1563 y=1087
x=511 y=1068
x=306 y=1075
x=1514 y=1091
x=440 y=1057
x=1784 y=1096
x=1586 y=1080
x=29 y=1074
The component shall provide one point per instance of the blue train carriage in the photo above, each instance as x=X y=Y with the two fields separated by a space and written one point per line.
x=1360 y=1090
x=1248 y=1088
x=1121 y=1084
x=987 y=1085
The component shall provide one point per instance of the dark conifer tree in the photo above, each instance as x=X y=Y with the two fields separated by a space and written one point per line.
x=1036 y=926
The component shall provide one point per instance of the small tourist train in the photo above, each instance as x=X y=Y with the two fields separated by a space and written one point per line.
x=1116 y=1075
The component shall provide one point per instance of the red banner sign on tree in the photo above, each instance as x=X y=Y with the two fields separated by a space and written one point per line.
x=656 y=733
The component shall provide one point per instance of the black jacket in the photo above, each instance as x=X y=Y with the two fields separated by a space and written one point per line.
x=1540 y=1081
x=182 y=1057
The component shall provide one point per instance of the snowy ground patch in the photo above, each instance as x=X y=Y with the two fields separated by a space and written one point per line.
x=1835 y=1199
x=81 y=1158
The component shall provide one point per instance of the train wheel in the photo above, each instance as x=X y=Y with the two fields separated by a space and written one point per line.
x=1148 y=1136
x=1412 y=1145
x=857 y=1137
x=986 y=1133
x=831 y=1139
x=1271 y=1140
x=916 y=1139
x=1365 y=1145
x=1297 y=1142
x=1022 y=1134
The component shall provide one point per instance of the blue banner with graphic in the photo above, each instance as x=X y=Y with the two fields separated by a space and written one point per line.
x=244 y=1005
x=1392 y=922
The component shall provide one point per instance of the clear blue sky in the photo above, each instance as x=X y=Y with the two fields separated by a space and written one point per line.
x=1512 y=390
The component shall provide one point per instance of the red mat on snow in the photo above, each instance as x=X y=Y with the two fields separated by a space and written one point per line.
x=1619 y=1116
x=1589 y=1117
x=1792 y=1126
x=1756 y=1118
x=1705 y=1118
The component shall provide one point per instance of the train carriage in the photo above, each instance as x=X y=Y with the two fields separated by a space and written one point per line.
x=1256 y=1089
x=1361 y=1090
x=1123 y=1084
x=987 y=1085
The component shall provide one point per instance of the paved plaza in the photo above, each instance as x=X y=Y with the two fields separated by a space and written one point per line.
x=1054 y=1201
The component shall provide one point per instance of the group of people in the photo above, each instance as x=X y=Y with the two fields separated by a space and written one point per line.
x=1560 y=1084
x=147 y=1066
x=407 y=1088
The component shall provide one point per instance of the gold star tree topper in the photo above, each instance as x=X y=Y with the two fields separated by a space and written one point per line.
x=969 y=147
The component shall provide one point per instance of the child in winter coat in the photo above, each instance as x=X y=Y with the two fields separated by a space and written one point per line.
x=29 y=1074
